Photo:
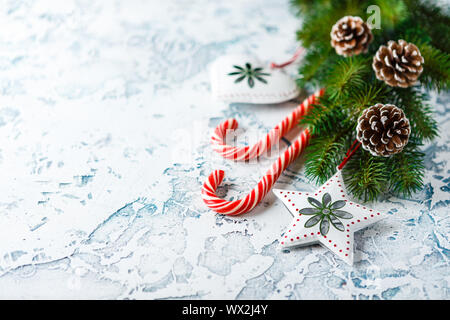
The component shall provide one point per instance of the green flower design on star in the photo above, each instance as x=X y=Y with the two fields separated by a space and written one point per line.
x=249 y=73
x=326 y=212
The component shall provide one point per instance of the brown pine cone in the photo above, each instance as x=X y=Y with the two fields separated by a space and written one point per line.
x=383 y=130
x=399 y=64
x=350 y=36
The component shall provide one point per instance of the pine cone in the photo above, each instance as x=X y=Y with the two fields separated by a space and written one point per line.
x=350 y=36
x=383 y=130
x=398 y=64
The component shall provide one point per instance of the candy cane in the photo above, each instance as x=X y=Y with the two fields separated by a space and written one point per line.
x=264 y=185
x=274 y=135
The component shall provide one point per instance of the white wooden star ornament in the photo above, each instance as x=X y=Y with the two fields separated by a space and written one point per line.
x=326 y=216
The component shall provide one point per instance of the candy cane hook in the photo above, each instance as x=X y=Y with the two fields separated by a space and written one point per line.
x=262 y=188
x=274 y=135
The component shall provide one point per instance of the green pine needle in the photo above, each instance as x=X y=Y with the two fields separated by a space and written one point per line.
x=367 y=96
x=323 y=156
x=417 y=110
x=316 y=62
x=406 y=171
x=323 y=117
x=430 y=21
x=347 y=75
x=436 y=72
x=351 y=87
x=365 y=176
x=320 y=16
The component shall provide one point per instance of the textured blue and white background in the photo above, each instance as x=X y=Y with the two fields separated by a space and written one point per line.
x=105 y=116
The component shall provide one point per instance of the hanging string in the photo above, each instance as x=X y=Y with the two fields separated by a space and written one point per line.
x=297 y=53
x=355 y=146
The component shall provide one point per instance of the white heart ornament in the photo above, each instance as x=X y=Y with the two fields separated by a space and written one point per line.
x=241 y=78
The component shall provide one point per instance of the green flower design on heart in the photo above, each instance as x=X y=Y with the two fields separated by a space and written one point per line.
x=249 y=73
x=326 y=212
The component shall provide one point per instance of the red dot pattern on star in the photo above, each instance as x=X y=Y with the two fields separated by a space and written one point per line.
x=334 y=245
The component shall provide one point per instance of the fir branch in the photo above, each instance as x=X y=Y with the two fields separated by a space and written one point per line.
x=321 y=16
x=432 y=20
x=324 y=154
x=413 y=103
x=410 y=32
x=351 y=87
x=319 y=119
x=436 y=71
x=323 y=117
x=366 y=176
x=406 y=170
x=367 y=96
x=347 y=75
x=314 y=66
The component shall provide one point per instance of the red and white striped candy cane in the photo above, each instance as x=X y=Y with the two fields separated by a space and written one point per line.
x=262 y=188
x=274 y=135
